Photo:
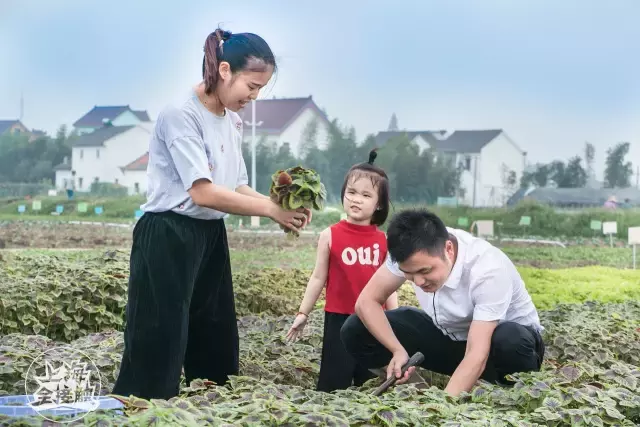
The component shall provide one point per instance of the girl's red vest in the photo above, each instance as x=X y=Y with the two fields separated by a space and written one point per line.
x=357 y=251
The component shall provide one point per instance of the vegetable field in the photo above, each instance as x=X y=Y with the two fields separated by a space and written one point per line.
x=57 y=298
x=277 y=251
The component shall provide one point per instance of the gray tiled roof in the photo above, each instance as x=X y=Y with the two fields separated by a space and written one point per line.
x=6 y=124
x=142 y=115
x=62 y=167
x=277 y=113
x=94 y=118
x=469 y=141
x=461 y=141
x=99 y=136
x=427 y=135
x=575 y=196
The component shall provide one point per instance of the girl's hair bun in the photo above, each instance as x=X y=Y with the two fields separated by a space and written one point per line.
x=372 y=156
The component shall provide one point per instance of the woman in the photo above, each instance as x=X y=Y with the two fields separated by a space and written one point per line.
x=181 y=307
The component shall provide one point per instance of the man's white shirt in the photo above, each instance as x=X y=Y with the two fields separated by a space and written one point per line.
x=483 y=285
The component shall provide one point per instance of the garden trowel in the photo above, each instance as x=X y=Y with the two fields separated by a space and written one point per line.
x=415 y=360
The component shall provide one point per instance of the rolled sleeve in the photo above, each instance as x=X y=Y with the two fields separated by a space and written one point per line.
x=393 y=267
x=183 y=137
x=190 y=159
x=491 y=293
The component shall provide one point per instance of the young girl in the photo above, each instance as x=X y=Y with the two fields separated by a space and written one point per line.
x=349 y=253
x=181 y=305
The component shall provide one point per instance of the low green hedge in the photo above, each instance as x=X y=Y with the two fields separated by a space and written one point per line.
x=545 y=221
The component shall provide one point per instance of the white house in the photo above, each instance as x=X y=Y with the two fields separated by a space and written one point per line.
x=120 y=115
x=134 y=175
x=16 y=127
x=116 y=150
x=100 y=156
x=491 y=162
x=285 y=120
x=63 y=174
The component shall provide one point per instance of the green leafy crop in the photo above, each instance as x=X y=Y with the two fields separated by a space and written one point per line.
x=296 y=188
x=590 y=377
x=67 y=296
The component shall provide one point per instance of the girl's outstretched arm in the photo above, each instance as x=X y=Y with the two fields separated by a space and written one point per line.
x=320 y=272
x=316 y=283
x=392 y=301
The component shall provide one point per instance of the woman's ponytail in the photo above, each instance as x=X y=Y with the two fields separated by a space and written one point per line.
x=213 y=48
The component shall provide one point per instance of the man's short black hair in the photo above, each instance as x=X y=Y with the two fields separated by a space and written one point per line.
x=416 y=230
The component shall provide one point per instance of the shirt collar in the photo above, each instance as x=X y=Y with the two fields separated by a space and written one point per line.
x=453 y=280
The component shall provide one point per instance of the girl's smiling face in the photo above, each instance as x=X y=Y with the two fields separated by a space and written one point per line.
x=360 y=199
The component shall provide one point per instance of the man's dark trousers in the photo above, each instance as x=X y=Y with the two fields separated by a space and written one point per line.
x=514 y=347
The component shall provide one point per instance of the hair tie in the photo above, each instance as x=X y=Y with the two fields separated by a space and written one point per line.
x=222 y=36
x=372 y=156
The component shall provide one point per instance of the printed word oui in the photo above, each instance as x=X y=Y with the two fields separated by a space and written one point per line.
x=362 y=255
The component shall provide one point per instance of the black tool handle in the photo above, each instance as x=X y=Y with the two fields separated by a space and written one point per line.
x=415 y=360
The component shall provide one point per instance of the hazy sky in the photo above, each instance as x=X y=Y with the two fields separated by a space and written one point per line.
x=552 y=74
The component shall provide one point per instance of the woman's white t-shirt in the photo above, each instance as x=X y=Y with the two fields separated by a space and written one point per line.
x=191 y=143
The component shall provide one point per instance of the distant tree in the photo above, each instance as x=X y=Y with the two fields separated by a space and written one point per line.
x=309 y=137
x=617 y=172
x=365 y=148
x=556 y=172
x=32 y=161
x=539 y=177
x=574 y=174
x=442 y=179
x=509 y=180
x=283 y=158
x=410 y=167
x=563 y=175
x=414 y=176
x=341 y=154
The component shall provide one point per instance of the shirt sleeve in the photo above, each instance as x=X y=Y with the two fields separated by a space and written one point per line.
x=184 y=140
x=243 y=178
x=393 y=267
x=491 y=290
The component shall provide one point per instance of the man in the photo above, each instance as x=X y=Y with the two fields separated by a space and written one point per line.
x=71 y=185
x=477 y=318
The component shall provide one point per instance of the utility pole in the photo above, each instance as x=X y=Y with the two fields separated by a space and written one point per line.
x=475 y=177
x=21 y=105
x=253 y=125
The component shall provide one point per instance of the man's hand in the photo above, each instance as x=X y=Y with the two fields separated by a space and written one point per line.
x=475 y=358
x=368 y=308
x=394 y=369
